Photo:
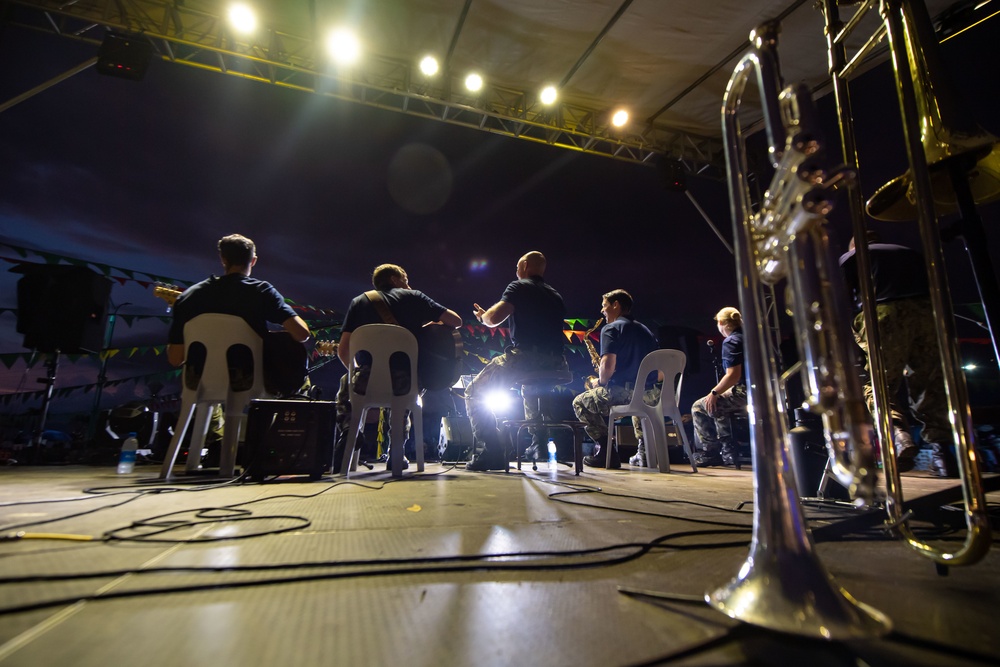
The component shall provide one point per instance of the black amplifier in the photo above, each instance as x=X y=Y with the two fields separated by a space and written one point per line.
x=289 y=438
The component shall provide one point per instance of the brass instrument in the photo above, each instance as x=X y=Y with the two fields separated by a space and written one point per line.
x=783 y=585
x=928 y=106
x=595 y=358
x=948 y=134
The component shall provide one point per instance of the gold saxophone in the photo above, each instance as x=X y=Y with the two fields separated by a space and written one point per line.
x=595 y=359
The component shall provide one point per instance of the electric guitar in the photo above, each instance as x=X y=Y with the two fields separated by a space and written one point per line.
x=286 y=361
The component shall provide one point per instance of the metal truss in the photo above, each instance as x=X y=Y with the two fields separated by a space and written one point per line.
x=184 y=33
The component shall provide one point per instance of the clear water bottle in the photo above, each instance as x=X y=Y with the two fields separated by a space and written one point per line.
x=126 y=460
x=552 y=453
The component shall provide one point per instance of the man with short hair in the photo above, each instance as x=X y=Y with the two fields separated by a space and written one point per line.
x=535 y=312
x=411 y=309
x=234 y=293
x=624 y=344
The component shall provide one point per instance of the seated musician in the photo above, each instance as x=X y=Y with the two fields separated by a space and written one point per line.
x=234 y=293
x=711 y=413
x=624 y=344
x=394 y=302
x=535 y=311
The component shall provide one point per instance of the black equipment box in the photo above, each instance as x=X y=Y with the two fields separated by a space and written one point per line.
x=289 y=438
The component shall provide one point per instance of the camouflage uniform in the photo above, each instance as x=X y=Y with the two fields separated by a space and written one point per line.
x=499 y=374
x=715 y=432
x=594 y=405
x=909 y=350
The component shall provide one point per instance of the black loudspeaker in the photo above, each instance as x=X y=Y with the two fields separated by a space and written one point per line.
x=125 y=56
x=674 y=175
x=62 y=308
x=289 y=438
x=455 y=443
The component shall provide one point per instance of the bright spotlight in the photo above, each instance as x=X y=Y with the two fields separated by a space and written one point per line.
x=549 y=95
x=343 y=46
x=620 y=118
x=499 y=402
x=429 y=66
x=242 y=18
x=474 y=82
x=970 y=367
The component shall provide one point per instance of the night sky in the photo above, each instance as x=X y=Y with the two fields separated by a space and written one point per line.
x=148 y=175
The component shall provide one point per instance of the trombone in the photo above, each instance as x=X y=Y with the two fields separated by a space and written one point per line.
x=938 y=135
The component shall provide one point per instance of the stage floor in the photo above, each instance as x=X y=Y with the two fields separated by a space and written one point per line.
x=449 y=567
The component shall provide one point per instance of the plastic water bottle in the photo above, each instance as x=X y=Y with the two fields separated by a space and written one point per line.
x=552 y=454
x=126 y=460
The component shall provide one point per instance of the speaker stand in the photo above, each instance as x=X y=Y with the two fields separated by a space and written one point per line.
x=52 y=365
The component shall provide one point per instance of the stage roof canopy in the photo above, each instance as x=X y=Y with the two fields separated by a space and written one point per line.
x=666 y=62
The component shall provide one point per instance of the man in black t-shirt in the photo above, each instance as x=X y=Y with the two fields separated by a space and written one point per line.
x=235 y=293
x=412 y=309
x=535 y=313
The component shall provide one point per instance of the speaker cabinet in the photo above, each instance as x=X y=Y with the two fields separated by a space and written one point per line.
x=289 y=438
x=455 y=443
x=62 y=308
x=124 y=56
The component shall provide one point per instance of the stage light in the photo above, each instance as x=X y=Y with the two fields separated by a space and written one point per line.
x=343 y=46
x=474 y=82
x=970 y=367
x=242 y=18
x=549 y=95
x=429 y=66
x=620 y=118
x=499 y=402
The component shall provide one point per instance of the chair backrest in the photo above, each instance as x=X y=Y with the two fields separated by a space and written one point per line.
x=225 y=338
x=382 y=341
x=669 y=362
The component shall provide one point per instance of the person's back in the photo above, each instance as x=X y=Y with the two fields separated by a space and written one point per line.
x=538 y=318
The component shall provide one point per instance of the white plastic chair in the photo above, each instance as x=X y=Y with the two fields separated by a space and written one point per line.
x=381 y=341
x=671 y=363
x=218 y=334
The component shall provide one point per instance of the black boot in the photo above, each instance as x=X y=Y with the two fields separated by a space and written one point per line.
x=943 y=463
x=488 y=458
x=599 y=458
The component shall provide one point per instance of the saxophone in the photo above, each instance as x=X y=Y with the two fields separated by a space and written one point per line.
x=595 y=359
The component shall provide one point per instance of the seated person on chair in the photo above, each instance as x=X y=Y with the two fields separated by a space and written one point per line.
x=536 y=314
x=410 y=308
x=624 y=344
x=711 y=413
x=235 y=293
x=908 y=350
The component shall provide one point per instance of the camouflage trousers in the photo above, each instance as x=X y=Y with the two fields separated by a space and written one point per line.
x=594 y=406
x=715 y=431
x=499 y=375
x=909 y=351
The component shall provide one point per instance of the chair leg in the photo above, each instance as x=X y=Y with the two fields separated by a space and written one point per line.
x=349 y=463
x=652 y=454
x=202 y=420
x=183 y=422
x=230 y=443
x=659 y=443
x=417 y=416
x=607 y=460
x=397 y=436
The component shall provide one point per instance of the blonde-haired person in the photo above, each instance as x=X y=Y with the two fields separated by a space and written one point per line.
x=711 y=413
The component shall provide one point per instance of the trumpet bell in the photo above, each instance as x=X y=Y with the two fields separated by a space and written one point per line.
x=896 y=200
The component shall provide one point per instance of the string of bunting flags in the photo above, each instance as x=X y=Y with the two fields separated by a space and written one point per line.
x=161 y=377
